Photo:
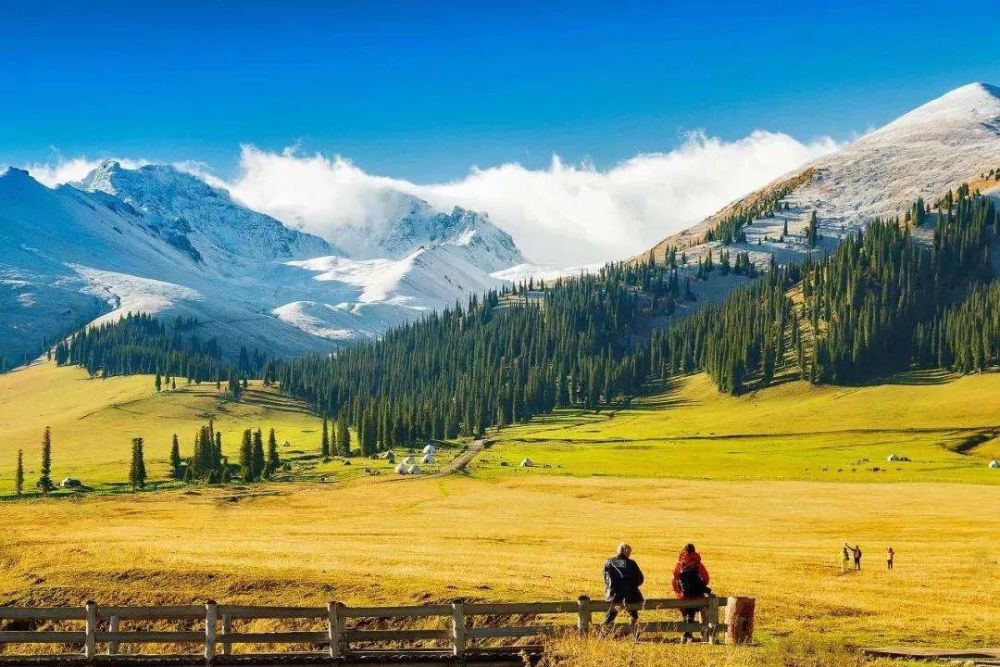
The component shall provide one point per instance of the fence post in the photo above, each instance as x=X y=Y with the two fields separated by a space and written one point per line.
x=583 y=610
x=211 y=617
x=333 y=613
x=227 y=629
x=739 y=620
x=113 y=627
x=90 y=645
x=458 y=628
x=711 y=619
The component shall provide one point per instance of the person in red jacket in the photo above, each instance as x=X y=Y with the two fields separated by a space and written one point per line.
x=690 y=582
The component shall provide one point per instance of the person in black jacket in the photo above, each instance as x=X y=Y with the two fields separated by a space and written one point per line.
x=622 y=579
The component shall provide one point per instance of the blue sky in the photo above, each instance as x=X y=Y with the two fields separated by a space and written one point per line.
x=423 y=91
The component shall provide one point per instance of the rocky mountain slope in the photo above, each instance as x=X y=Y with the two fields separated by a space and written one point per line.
x=159 y=240
x=950 y=140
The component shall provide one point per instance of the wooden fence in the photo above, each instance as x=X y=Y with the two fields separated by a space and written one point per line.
x=338 y=633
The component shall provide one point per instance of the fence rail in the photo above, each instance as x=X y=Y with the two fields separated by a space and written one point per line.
x=336 y=631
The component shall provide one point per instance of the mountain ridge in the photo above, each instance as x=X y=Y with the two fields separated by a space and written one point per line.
x=922 y=153
x=156 y=239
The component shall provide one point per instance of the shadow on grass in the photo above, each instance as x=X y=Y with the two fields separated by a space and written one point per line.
x=930 y=376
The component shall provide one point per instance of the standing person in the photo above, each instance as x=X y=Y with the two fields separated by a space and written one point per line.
x=622 y=579
x=856 y=550
x=846 y=561
x=890 y=555
x=690 y=582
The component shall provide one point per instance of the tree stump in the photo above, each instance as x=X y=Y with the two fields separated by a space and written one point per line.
x=739 y=620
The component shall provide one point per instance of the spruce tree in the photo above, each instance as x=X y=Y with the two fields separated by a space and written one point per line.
x=137 y=471
x=325 y=440
x=343 y=437
x=246 y=457
x=273 y=459
x=812 y=234
x=258 y=462
x=175 y=458
x=45 y=473
x=158 y=382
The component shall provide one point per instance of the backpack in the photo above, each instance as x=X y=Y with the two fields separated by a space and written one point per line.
x=690 y=581
x=616 y=576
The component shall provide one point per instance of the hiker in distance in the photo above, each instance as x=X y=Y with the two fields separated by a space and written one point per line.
x=690 y=582
x=890 y=556
x=622 y=579
x=856 y=550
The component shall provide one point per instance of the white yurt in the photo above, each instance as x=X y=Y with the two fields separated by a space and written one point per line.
x=995 y=463
x=527 y=463
x=427 y=458
x=409 y=460
x=430 y=449
x=400 y=469
x=891 y=458
x=413 y=470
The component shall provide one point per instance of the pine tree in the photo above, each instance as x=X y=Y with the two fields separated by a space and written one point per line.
x=19 y=474
x=45 y=477
x=273 y=459
x=235 y=389
x=812 y=234
x=175 y=458
x=325 y=441
x=343 y=438
x=137 y=471
x=246 y=457
x=158 y=382
x=258 y=462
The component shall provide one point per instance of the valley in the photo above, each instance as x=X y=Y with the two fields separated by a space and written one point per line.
x=945 y=424
x=813 y=365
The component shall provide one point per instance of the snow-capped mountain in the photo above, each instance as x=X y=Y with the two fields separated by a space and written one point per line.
x=192 y=213
x=156 y=239
x=411 y=223
x=941 y=144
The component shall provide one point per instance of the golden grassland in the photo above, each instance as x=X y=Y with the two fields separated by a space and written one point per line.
x=769 y=521
x=531 y=539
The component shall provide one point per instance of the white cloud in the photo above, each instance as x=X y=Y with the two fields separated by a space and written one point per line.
x=72 y=170
x=564 y=214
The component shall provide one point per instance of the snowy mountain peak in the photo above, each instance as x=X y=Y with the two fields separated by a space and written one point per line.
x=974 y=103
x=412 y=223
x=949 y=140
x=102 y=178
x=201 y=219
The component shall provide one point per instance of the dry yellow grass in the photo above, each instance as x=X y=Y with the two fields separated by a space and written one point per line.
x=532 y=539
x=511 y=534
